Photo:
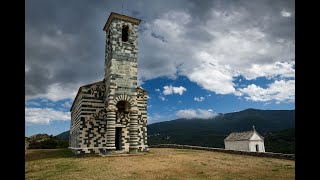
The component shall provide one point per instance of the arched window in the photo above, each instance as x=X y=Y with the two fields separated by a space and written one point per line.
x=125 y=33
x=257 y=148
x=123 y=106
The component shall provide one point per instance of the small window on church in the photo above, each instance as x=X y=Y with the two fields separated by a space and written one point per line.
x=125 y=33
x=109 y=37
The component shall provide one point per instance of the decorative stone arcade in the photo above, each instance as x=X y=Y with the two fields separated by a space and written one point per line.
x=111 y=115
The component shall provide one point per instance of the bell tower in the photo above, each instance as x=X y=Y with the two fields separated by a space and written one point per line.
x=110 y=116
x=121 y=63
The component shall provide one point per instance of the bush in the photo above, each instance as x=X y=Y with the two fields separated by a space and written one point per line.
x=62 y=144
x=34 y=145
x=49 y=144
x=46 y=144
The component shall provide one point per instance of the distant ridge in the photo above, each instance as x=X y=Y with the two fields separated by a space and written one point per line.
x=63 y=136
x=211 y=132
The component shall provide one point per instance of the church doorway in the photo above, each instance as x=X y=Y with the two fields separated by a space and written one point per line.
x=257 y=148
x=122 y=112
x=118 y=140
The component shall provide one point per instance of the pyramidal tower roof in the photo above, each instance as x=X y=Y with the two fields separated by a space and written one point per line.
x=122 y=17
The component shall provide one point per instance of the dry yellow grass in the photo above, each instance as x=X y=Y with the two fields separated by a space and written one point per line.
x=159 y=163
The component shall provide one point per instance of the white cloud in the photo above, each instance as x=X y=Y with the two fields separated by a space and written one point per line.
x=210 y=110
x=158 y=90
x=171 y=24
x=209 y=74
x=199 y=99
x=44 y=100
x=58 y=41
x=284 y=69
x=232 y=48
x=162 y=98
x=198 y=113
x=67 y=104
x=159 y=118
x=280 y=91
x=26 y=68
x=148 y=97
x=173 y=90
x=154 y=118
x=285 y=13
x=44 y=115
x=56 y=92
x=33 y=103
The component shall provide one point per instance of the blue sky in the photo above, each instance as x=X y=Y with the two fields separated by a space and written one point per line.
x=195 y=59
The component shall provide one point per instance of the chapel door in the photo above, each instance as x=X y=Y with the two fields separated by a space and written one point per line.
x=118 y=139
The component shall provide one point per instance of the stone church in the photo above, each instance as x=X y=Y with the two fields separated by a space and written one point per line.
x=110 y=116
x=250 y=141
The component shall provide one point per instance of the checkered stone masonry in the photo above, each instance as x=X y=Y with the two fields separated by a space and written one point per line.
x=98 y=123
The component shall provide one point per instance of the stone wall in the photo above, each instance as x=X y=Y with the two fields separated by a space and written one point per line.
x=87 y=127
x=142 y=119
x=260 y=154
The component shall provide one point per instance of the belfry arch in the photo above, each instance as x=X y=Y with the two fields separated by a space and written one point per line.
x=123 y=107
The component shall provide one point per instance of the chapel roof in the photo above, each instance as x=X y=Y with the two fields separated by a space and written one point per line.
x=241 y=136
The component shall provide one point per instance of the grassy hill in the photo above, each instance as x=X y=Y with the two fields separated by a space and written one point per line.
x=281 y=141
x=159 y=163
x=44 y=141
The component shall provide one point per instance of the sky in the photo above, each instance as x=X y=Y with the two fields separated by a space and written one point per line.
x=195 y=58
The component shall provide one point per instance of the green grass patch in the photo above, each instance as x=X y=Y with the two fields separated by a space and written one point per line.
x=48 y=153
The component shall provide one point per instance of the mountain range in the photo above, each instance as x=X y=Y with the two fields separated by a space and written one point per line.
x=277 y=126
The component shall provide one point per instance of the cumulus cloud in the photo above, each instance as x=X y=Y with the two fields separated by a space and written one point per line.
x=282 y=69
x=32 y=103
x=285 y=13
x=67 y=104
x=195 y=113
x=57 y=91
x=279 y=91
x=162 y=98
x=199 y=99
x=173 y=90
x=154 y=118
x=44 y=115
x=211 y=43
x=236 y=44
x=209 y=74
